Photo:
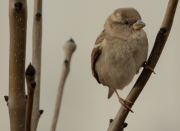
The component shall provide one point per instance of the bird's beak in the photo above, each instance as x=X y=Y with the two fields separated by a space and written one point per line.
x=138 y=25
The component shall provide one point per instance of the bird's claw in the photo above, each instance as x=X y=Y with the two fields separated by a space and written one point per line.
x=145 y=65
x=125 y=104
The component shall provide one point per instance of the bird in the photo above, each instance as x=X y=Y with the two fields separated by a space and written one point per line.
x=120 y=51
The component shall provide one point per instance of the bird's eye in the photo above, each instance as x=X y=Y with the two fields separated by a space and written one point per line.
x=126 y=22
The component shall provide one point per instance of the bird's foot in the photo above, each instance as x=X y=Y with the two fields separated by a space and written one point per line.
x=125 y=103
x=145 y=65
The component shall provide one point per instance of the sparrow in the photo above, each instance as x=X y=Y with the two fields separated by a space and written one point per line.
x=120 y=51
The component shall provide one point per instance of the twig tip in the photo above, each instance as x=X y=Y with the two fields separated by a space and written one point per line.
x=111 y=120
x=41 y=112
x=163 y=30
x=6 y=98
x=38 y=15
x=125 y=125
x=18 y=6
x=66 y=61
x=30 y=71
x=71 y=40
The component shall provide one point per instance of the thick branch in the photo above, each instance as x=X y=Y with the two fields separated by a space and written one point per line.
x=36 y=60
x=69 y=48
x=17 y=100
x=160 y=41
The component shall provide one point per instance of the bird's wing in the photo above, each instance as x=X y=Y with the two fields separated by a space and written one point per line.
x=96 y=52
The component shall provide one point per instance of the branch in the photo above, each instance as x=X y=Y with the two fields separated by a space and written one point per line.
x=31 y=84
x=17 y=100
x=69 y=48
x=36 y=60
x=117 y=124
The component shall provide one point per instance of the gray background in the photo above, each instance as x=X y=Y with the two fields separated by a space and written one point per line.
x=85 y=106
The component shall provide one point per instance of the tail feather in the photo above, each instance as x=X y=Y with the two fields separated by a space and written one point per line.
x=110 y=93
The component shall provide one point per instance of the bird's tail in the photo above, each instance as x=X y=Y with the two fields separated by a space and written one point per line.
x=110 y=93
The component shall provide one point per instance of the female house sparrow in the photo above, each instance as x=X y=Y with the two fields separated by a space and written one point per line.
x=119 y=51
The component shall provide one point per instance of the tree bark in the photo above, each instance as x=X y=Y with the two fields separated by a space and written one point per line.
x=17 y=100
x=31 y=84
x=36 y=60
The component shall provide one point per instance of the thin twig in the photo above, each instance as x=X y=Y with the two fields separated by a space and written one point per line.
x=69 y=48
x=31 y=84
x=160 y=41
x=17 y=100
x=36 y=60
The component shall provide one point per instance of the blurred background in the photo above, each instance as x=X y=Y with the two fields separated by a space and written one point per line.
x=85 y=106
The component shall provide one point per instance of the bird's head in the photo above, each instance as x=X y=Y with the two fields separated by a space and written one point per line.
x=124 y=21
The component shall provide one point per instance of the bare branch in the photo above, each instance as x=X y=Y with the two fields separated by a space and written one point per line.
x=31 y=84
x=36 y=60
x=117 y=124
x=17 y=100
x=69 y=48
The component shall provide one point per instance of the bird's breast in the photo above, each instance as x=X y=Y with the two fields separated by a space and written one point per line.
x=116 y=66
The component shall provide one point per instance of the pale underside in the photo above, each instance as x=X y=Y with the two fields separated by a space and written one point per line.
x=119 y=60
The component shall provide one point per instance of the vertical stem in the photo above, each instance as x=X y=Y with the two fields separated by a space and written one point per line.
x=31 y=87
x=31 y=84
x=36 y=60
x=17 y=100
x=69 y=48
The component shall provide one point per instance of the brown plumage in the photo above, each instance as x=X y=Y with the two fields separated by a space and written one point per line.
x=119 y=51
